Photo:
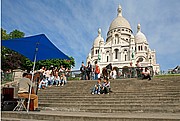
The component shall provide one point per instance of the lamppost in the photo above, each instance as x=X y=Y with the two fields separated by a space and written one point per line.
x=150 y=59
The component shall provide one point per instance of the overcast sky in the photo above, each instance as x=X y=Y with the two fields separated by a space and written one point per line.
x=72 y=25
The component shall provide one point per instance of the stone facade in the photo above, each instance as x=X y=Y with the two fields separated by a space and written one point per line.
x=121 y=47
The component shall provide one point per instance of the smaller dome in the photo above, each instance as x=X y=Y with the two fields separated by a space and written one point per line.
x=140 y=37
x=98 y=39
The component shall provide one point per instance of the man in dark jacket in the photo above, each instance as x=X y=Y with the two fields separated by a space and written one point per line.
x=83 y=71
x=109 y=69
x=89 y=70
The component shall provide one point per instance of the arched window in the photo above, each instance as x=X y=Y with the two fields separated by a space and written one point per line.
x=92 y=53
x=97 y=51
x=125 y=54
x=116 y=53
x=116 y=39
x=125 y=58
x=107 y=58
x=145 y=48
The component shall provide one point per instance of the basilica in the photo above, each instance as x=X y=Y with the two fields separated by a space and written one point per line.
x=122 y=47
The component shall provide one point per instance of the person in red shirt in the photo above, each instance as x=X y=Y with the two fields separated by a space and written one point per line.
x=97 y=71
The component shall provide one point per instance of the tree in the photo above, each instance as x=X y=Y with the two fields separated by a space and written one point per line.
x=10 y=58
x=56 y=63
x=16 y=34
x=4 y=35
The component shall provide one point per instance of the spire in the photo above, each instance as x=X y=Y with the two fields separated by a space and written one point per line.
x=99 y=32
x=119 y=10
x=138 y=28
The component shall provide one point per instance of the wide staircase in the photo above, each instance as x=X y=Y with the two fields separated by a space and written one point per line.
x=131 y=100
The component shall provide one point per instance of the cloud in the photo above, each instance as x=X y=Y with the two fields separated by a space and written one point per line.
x=72 y=25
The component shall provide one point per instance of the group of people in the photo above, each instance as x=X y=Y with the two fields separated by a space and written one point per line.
x=101 y=88
x=53 y=77
x=111 y=72
x=86 y=71
x=93 y=73
x=50 y=77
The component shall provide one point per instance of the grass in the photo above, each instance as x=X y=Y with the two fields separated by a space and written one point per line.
x=167 y=75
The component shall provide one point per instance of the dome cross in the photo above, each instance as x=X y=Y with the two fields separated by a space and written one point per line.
x=119 y=10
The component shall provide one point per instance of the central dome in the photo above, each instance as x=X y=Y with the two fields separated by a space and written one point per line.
x=120 y=21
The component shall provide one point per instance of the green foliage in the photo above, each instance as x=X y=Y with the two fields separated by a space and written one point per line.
x=12 y=35
x=16 y=34
x=10 y=58
x=55 y=63
x=4 y=35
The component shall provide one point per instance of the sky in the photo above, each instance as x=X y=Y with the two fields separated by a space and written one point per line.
x=72 y=25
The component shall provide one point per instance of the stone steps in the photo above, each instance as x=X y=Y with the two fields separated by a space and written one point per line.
x=119 y=87
x=88 y=116
x=112 y=102
x=18 y=119
x=85 y=92
x=127 y=96
x=81 y=92
x=131 y=100
x=98 y=108
x=96 y=98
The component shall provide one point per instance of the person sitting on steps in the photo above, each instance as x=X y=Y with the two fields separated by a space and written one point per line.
x=63 y=79
x=57 y=79
x=105 y=89
x=43 y=83
x=146 y=74
x=97 y=87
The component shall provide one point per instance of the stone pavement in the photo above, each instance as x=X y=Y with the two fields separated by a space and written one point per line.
x=80 y=116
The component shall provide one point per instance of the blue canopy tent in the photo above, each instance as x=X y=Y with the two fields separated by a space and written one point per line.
x=36 y=48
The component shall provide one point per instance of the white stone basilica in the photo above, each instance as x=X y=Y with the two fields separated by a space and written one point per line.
x=121 y=47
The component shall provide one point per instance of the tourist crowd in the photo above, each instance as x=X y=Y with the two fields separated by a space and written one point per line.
x=93 y=73
x=53 y=76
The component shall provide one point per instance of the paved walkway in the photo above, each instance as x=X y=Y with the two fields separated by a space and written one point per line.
x=107 y=115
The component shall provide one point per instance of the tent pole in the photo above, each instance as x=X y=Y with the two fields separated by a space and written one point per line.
x=32 y=78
